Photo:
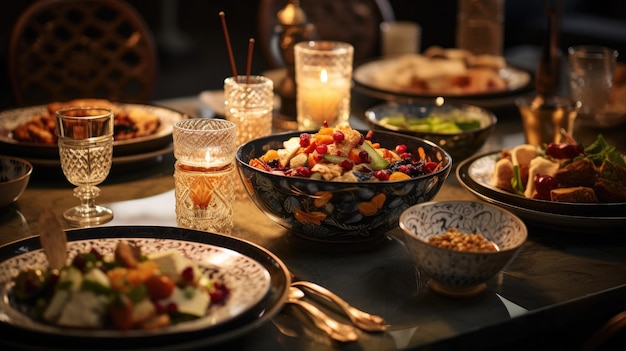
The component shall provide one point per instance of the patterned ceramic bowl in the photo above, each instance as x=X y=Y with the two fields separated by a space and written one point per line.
x=332 y=211
x=455 y=272
x=460 y=145
x=14 y=176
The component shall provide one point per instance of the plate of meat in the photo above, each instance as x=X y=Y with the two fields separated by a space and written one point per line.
x=29 y=132
x=581 y=199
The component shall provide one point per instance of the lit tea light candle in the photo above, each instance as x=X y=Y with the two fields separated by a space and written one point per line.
x=323 y=78
x=323 y=98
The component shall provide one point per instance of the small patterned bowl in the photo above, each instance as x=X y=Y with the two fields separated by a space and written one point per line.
x=14 y=176
x=331 y=211
x=459 y=273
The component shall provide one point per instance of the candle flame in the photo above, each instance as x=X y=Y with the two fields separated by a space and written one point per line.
x=324 y=76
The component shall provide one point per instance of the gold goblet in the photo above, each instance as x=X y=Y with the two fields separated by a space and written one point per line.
x=86 y=151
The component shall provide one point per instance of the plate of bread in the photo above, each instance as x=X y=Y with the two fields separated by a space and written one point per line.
x=576 y=193
x=30 y=131
x=453 y=73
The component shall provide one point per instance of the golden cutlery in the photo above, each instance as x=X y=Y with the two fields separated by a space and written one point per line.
x=361 y=319
x=334 y=329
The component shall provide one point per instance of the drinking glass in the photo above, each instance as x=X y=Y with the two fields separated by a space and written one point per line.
x=480 y=26
x=399 y=37
x=249 y=104
x=591 y=71
x=85 y=139
x=323 y=82
x=547 y=119
x=204 y=174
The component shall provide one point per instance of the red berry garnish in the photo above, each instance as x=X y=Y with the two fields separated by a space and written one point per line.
x=347 y=164
x=381 y=175
x=401 y=148
x=364 y=157
x=338 y=136
x=303 y=171
x=322 y=149
x=429 y=167
x=188 y=274
x=171 y=307
x=305 y=139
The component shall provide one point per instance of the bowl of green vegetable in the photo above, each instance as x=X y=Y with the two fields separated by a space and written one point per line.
x=461 y=130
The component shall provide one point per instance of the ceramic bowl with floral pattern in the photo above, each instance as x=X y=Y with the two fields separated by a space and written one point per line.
x=455 y=272
x=333 y=211
x=14 y=176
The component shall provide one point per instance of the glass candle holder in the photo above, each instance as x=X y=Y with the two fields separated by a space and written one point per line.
x=249 y=104
x=204 y=174
x=323 y=80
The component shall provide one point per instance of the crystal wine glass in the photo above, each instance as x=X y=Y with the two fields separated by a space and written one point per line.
x=86 y=151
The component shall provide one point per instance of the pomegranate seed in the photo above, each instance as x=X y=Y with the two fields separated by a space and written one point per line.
x=96 y=253
x=160 y=309
x=362 y=140
x=347 y=164
x=325 y=124
x=322 y=149
x=303 y=171
x=429 y=167
x=381 y=175
x=406 y=155
x=364 y=157
x=401 y=148
x=305 y=139
x=171 y=307
x=338 y=136
x=318 y=157
x=188 y=274
x=79 y=262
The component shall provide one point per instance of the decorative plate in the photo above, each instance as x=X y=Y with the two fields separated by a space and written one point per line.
x=517 y=80
x=475 y=173
x=10 y=119
x=258 y=282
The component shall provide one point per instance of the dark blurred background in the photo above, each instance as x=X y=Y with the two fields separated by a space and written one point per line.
x=195 y=59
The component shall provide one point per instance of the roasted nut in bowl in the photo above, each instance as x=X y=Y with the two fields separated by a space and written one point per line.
x=338 y=211
x=460 y=129
x=14 y=176
x=452 y=271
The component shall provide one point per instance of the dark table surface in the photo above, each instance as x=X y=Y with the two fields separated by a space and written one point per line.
x=563 y=283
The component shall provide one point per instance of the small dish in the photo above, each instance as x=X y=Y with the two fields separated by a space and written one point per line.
x=14 y=177
x=460 y=144
x=461 y=273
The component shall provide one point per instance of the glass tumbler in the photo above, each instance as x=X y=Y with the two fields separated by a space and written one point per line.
x=249 y=104
x=591 y=71
x=204 y=174
x=85 y=139
x=323 y=82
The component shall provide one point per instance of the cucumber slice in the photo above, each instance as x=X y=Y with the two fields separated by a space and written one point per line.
x=378 y=162
x=333 y=158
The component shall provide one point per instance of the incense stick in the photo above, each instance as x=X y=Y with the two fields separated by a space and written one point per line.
x=230 y=49
x=249 y=65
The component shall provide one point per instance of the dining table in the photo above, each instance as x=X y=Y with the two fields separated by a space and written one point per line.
x=561 y=287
